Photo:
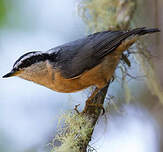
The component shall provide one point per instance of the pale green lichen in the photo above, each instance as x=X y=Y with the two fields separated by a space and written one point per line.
x=143 y=57
x=147 y=67
x=74 y=132
x=106 y=14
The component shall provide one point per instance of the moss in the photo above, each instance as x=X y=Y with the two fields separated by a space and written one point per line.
x=147 y=68
x=106 y=14
x=74 y=132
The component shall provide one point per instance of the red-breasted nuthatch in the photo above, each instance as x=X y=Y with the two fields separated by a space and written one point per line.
x=90 y=61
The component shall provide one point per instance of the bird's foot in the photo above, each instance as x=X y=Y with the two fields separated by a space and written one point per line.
x=112 y=78
x=94 y=107
x=76 y=108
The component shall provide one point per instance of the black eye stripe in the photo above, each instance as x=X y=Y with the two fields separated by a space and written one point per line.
x=26 y=54
x=32 y=60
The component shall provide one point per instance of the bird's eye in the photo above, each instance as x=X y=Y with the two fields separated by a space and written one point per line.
x=15 y=69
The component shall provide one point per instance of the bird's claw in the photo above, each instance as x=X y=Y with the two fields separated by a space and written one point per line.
x=96 y=105
x=76 y=108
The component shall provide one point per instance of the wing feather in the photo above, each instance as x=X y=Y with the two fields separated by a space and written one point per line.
x=78 y=56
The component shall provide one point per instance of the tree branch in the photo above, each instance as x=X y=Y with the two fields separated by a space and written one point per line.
x=92 y=114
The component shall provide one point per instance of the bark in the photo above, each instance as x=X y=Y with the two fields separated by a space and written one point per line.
x=92 y=114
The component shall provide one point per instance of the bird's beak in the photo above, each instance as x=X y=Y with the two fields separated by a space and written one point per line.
x=11 y=74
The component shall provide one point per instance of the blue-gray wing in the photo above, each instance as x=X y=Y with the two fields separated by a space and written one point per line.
x=73 y=58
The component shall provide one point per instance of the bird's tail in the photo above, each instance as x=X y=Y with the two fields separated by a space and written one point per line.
x=143 y=30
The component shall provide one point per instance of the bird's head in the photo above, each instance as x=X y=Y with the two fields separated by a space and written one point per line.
x=28 y=65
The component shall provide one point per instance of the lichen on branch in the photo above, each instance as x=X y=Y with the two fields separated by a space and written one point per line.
x=74 y=132
x=106 y=14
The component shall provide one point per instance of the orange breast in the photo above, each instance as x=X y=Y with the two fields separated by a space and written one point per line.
x=98 y=76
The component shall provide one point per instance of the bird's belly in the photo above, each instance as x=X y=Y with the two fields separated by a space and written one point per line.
x=60 y=84
x=98 y=76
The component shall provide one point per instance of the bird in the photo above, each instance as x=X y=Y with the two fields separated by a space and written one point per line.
x=79 y=64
